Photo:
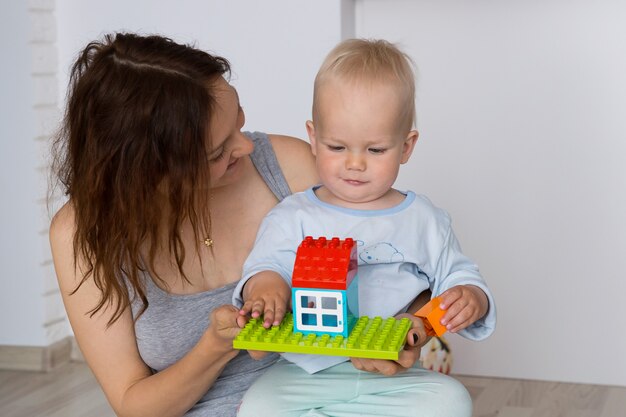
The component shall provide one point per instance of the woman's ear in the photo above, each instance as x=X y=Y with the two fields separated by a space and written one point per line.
x=409 y=145
x=310 y=130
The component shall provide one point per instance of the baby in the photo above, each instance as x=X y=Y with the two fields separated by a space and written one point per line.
x=362 y=130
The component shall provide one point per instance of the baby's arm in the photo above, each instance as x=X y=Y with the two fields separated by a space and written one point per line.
x=266 y=293
x=464 y=305
x=469 y=305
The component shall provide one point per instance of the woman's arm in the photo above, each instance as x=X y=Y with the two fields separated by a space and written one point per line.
x=111 y=352
x=296 y=161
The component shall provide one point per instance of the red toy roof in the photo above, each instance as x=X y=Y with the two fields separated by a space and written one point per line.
x=325 y=264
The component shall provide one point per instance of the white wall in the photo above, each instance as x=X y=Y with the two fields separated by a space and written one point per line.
x=275 y=47
x=29 y=302
x=522 y=111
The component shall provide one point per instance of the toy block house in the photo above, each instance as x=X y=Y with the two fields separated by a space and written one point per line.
x=325 y=286
x=325 y=301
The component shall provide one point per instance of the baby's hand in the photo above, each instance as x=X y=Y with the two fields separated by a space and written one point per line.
x=464 y=304
x=266 y=294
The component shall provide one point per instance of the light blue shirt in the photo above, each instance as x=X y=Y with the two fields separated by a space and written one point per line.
x=402 y=250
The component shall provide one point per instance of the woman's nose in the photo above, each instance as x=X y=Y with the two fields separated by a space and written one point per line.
x=243 y=146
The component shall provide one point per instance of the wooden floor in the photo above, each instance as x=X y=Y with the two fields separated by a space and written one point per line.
x=499 y=397
x=71 y=391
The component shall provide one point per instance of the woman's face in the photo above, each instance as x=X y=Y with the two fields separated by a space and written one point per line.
x=228 y=144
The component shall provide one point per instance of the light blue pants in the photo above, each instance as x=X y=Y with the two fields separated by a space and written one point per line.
x=286 y=390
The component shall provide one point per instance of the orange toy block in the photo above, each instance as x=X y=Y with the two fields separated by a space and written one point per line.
x=431 y=315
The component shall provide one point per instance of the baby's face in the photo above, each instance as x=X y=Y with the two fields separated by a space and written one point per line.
x=359 y=138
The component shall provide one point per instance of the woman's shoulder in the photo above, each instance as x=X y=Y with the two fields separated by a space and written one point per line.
x=62 y=225
x=61 y=235
x=296 y=161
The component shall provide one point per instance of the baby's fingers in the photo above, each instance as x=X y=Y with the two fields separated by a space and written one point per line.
x=459 y=321
x=274 y=312
x=450 y=296
x=268 y=314
x=246 y=308
x=253 y=307
x=453 y=310
x=279 y=313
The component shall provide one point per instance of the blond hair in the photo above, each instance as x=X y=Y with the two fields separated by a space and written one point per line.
x=371 y=61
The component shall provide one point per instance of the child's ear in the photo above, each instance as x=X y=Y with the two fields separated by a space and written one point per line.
x=310 y=130
x=409 y=145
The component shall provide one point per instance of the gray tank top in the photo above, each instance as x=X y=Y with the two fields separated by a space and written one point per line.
x=173 y=324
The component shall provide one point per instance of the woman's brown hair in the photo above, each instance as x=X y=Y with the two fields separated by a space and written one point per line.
x=136 y=123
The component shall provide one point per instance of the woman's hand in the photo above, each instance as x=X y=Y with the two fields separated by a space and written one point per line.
x=225 y=324
x=415 y=339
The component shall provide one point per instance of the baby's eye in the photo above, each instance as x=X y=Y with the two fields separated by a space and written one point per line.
x=377 y=151
x=336 y=148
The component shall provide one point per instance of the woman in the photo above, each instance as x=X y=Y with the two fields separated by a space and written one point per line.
x=165 y=197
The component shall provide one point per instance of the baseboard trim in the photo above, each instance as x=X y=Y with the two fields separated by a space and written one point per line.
x=36 y=358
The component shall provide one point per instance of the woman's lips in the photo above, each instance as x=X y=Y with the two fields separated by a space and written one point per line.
x=232 y=164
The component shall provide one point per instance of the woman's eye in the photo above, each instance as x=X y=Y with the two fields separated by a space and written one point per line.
x=218 y=157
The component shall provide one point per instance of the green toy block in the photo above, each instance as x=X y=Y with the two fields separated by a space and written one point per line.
x=374 y=338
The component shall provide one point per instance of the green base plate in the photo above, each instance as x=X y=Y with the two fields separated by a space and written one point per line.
x=375 y=338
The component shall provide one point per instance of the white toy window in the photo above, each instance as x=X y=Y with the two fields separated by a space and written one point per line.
x=319 y=311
